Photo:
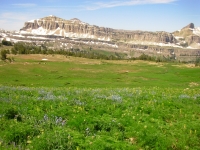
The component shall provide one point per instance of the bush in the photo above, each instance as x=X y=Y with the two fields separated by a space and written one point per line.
x=146 y=57
x=4 y=54
x=13 y=51
x=7 y=43
x=20 y=133
x=12 y=113
x=184 y=44
x=197 y=62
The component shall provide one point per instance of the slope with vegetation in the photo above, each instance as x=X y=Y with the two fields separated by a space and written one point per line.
x=50 y=101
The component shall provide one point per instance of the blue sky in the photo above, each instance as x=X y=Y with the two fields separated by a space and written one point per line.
x=146 y=15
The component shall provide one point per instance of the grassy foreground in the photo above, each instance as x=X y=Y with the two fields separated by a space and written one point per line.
x=85 y=118
x=76 y=103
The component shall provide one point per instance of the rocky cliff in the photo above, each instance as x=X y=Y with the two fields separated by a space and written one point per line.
x=190 y=26
x=188 y=35
x=75 y=28
x=56 y=33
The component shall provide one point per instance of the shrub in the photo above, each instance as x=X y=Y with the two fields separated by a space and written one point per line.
x=4 y=54
x=12 y=113
x=7 y=43
x=13 y=51
x=197 y=62
x=184 y=44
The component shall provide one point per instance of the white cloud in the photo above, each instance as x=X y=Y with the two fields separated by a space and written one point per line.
x=109 y=4
x=25 y=5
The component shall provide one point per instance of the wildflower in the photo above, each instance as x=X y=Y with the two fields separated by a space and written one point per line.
x=69 y=136
x=63 y=122
x=57 y=121
x=28 y=142
x=115 y=98
x=187 y=147
x=45 y=117
x=60 y=119
x=183 y=96
x=87 y=130
x=132 y=140
x=190 y=131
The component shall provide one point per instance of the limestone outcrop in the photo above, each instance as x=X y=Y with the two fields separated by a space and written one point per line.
x=189 y=35
x=190 y=26
x=75 y=28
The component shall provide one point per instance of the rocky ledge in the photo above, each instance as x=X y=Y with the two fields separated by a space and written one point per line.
x=75 y=28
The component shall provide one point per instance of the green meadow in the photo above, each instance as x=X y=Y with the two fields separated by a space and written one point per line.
x=59 y=71
x=84 y=104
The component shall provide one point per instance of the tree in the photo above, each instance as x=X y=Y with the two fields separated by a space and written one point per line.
x=3 y=55
x=185 y=44
x=7 y=43
x=197 y=61
x=13 y=51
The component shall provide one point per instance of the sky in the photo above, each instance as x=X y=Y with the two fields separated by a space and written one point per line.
x=145 y=15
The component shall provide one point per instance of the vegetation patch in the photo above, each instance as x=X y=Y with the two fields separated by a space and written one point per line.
x=79 y=103
x=84 y=118
x=81 y=72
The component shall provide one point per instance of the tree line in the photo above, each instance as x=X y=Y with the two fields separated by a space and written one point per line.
x=25 y=48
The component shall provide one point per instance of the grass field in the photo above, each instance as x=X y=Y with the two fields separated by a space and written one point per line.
x=76 y=103
x=59 y=71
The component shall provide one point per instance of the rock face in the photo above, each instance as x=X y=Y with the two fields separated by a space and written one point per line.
x=193 y=39
x=189 y=34
x=190 y=26
x=71 y=35
x=75 y=28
